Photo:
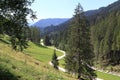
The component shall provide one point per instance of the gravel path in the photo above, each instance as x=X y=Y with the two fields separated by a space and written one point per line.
x=60 y=57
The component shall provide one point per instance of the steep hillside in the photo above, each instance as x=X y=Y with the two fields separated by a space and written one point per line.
x=106 y=40
x=93 y=16
x=59 y=33
x=13 y=67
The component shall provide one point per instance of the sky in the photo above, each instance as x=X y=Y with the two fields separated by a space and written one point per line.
x=64 y=8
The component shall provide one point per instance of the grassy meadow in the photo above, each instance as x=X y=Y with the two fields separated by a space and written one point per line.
x=106 y=76
x=41 y=53
x=13 y=67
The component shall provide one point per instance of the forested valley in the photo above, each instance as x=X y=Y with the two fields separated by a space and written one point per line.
x=84 y=47
x=104 y=26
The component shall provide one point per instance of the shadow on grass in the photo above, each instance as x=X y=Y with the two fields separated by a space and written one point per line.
x=6 y=75
x=4 y=41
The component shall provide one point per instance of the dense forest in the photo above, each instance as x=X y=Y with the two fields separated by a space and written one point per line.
x=90 y=39
x=105 y=34
x=105 y=37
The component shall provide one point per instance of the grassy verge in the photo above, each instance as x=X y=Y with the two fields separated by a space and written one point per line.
x=106 y=76
x=101 y=75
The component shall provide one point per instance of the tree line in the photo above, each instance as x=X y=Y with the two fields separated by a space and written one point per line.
x=104 y=36
x=106 y=40
x=77 y=40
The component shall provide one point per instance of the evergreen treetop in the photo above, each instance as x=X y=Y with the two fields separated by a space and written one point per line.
x=55 y=60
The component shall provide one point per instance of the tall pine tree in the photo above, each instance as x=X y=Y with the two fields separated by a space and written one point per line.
x=47 y=40
x=79 y=56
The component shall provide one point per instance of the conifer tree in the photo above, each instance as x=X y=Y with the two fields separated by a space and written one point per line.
x=47 y=40
x=55 y=60
x=105 y=39
x=34 y=34
x=79 y=56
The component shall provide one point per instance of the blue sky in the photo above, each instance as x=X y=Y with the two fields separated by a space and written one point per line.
x=64 y=8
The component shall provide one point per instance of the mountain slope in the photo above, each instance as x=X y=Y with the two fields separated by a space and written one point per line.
x=105 y=34
x=105 y=37
x=50 y=21
x=93 y=16
x=13 y=67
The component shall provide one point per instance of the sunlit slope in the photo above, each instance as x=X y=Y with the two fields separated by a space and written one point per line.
x=13 y=67
x=44 y=54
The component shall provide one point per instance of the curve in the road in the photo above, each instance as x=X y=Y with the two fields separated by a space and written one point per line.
x=60 y=57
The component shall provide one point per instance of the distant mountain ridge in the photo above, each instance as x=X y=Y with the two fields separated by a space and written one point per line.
x=93 y=16
x=43 y=23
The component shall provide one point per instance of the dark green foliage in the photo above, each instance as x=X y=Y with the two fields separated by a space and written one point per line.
x=79 y=56
x=2 y=19
x=34 y=34
x=59 y=33
x=47 y=40
x=105 y=34
x=13 y=15
x=19 y=39
x=55 y=60
x=106 y=39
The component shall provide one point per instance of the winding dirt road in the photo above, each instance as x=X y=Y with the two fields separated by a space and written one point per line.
x=60 y=57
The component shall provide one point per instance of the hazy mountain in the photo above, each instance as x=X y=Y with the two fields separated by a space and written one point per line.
x=50 y=21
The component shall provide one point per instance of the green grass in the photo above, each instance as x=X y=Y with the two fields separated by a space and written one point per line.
x=101 y=75
x=44 y=54
x=5 y=39
x=62 y=63
x=106 y=76
x=13 y=67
